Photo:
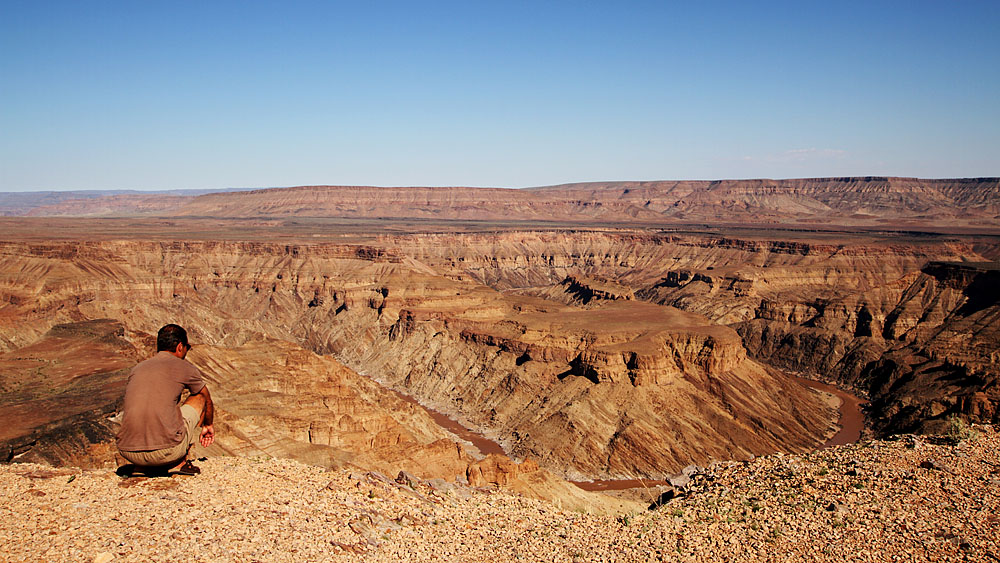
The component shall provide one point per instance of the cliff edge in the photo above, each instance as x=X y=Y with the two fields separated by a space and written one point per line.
x=912 y=498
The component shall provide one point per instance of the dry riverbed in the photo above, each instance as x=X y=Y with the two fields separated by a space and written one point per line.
x=910 y=499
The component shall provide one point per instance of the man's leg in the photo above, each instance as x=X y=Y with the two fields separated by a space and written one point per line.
x=158 y=461
x=171 y=459
x=193 y=411
x=198 y=402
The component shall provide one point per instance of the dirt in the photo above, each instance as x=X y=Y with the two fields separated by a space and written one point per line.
x=911 y=499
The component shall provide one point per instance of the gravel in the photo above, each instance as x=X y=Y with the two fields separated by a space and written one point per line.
x=909 y=499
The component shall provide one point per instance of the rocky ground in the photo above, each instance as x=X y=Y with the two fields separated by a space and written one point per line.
x=908 y=499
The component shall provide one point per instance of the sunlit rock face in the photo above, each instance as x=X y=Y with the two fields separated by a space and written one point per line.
x=908 y=322
x=852 y=201
x=59 y=393
x=627 y=389
x=280 y=400
x=595 y=354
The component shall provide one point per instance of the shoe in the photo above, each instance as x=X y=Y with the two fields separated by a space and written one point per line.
x=155 y=471
x=125 y=470
x=188 y=469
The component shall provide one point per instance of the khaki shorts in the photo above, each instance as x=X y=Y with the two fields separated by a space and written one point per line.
x=173 y=454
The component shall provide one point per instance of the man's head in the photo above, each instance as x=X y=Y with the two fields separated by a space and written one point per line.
x=170 y=337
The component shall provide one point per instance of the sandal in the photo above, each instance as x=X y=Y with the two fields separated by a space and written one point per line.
x=155 y=471
x=188 y=469
x=125 y=470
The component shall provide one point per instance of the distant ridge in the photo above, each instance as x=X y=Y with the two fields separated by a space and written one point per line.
x=21 y=203
x=848 y=201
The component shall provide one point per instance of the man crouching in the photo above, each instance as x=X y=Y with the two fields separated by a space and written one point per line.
x=157 y=431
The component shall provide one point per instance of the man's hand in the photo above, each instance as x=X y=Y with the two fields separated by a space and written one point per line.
x=207 y=435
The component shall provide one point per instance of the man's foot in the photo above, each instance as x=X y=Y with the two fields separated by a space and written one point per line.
x=187 y=468
x=155 y=471
x=125 y=470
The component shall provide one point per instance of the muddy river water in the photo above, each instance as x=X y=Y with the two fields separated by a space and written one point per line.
x=852 y=419
x=851 y=423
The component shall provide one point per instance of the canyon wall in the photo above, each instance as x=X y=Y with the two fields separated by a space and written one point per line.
x=858 y=201
x=596 y=354
x=622 y=390
x=59 y=393
x=911 y=324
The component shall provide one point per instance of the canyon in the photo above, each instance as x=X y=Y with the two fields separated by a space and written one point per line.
x=857 y=202
x=588 y=335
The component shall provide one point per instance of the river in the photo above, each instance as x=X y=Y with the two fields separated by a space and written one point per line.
x=482 y=443
x=851 y=423
x=852 y=419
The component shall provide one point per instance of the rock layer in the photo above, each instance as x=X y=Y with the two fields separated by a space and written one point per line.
x=869 y=200
x=59 y=393
x=601 y=353
x=912 y=324
x=626 y=389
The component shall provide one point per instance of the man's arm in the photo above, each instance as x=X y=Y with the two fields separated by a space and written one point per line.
x=207 y=418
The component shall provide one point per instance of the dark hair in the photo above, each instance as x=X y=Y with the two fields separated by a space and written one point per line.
x=169 y=337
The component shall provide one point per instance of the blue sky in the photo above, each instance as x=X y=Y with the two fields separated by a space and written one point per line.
x=149 y=95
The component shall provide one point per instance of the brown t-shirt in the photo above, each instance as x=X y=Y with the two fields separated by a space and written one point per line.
x=152 y=416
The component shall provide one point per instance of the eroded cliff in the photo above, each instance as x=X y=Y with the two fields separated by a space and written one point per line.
x=910 y=323
x=603 y=353
x=869 y=201
x=624 y=389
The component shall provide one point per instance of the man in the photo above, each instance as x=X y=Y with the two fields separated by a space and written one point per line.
x=157 y=432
